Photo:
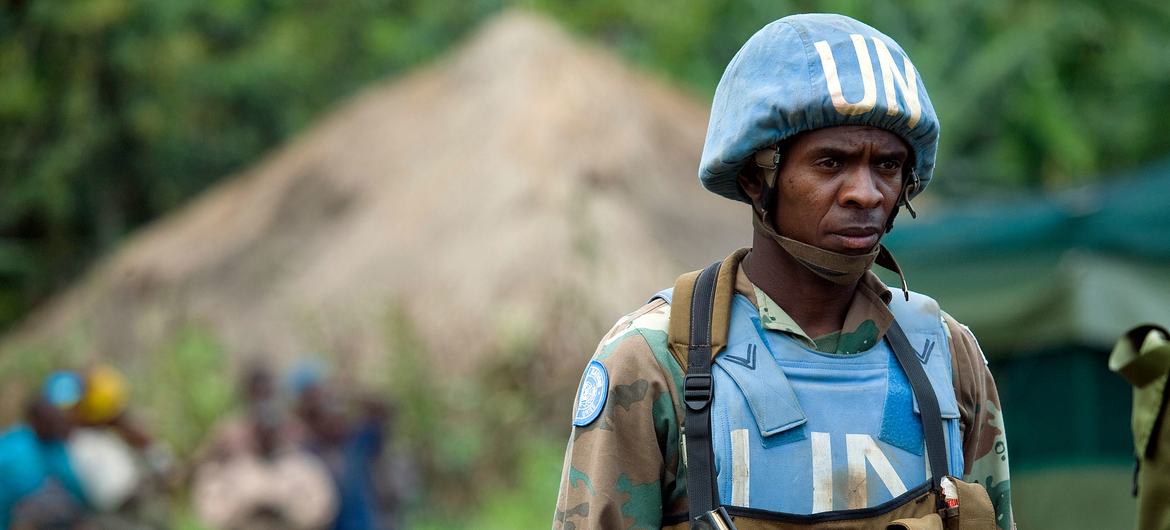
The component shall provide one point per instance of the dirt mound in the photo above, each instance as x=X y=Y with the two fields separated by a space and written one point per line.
x=524 y=186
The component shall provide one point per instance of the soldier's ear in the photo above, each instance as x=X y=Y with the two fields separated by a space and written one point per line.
x=751 y=184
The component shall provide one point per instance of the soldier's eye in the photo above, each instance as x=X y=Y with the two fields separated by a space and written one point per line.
x=828 y=163
x=889 y=165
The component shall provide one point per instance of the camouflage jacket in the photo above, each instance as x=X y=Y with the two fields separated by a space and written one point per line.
x=622 y=470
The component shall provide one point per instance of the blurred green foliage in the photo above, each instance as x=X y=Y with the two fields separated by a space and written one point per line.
x=113 y=112
x=192 y=393
x=526 y=501
x=474 y=439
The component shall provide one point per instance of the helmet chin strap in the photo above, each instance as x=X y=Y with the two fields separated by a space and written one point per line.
x=841 y=269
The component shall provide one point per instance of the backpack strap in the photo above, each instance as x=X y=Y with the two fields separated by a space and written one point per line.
x=702 y=492
x=700 y=314
x=681 y=317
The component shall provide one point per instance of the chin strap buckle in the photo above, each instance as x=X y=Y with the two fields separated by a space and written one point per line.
x=914 y=182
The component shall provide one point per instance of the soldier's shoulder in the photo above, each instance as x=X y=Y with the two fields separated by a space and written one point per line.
x=651 y=322
x=964 y=345
x=915 y=311
x=638 y=341
x=957 y=330
x=953 y=323
x=914 y=301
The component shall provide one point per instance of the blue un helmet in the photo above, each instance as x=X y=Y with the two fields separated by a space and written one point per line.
x=806 y=72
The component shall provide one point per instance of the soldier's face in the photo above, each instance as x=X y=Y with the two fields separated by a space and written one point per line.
x=838 y=186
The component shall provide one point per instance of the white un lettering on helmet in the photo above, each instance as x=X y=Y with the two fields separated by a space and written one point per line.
x=905 y=79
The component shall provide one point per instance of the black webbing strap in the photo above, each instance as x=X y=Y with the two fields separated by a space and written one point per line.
x=701 y=487
x=932 y=427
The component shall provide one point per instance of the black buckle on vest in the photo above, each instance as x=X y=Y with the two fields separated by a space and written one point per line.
x=697 y=391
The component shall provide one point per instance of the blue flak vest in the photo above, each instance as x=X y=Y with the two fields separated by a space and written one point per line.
x=798 y=431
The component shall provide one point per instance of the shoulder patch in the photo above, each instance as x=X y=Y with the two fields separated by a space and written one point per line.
x=591 y=396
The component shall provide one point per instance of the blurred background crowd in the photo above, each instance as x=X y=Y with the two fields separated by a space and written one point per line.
x=291 y=455
x=455 y=199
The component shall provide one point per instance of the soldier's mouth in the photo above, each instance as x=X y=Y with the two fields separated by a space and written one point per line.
x=861 y=239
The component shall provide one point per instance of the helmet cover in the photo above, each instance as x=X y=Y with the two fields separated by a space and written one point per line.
x=810 y=71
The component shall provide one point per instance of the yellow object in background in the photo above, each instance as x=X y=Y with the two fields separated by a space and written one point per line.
x=105 y=395
x=1142 y=357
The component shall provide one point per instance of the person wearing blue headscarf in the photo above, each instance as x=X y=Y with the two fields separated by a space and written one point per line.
x=37 y=482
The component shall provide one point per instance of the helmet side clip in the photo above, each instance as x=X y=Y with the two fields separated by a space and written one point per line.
x=768 y=159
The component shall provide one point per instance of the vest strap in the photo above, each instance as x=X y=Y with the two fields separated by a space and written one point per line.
x=701 y=487
x=681 y=321
x=932 y=425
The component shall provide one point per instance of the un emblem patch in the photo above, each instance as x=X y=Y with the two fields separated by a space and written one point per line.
x=591 y=396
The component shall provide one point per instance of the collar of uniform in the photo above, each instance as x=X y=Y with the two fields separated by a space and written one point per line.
x=870 y=304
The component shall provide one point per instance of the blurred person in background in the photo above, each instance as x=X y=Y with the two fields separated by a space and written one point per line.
x=39 y=487
x=350 y=449
x=271 y=484
x=123 y=469
x=235 y=433
x=787 y=382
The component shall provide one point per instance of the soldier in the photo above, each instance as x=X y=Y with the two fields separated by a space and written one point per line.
x=787 y=385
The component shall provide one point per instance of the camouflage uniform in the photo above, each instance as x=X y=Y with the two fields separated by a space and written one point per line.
x=623 y=469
